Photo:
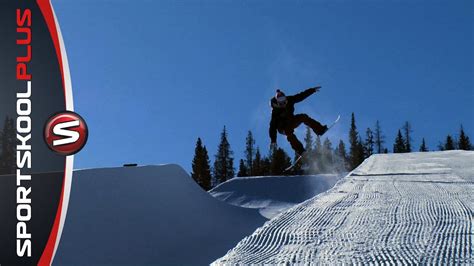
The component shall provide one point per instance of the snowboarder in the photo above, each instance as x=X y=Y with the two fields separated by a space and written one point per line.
x=285 y=121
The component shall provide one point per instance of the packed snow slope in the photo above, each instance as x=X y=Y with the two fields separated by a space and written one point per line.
x=272 y=195
x=155 y=215
x=414 y=208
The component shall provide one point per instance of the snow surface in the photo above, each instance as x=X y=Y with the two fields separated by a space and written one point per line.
x=412 y=208
x=272 y=195
x=148 y=215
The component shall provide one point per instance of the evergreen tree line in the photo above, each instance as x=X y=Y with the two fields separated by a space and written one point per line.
x=253 y=164
x=320 y=157
x=403 y=141
x=374 y=142
x=223 y=168
x=7 y=147
x=461 y=143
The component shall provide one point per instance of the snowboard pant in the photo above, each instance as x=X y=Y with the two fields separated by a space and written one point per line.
x=296 y=122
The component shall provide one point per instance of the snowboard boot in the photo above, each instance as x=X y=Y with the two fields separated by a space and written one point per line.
x=324 y=130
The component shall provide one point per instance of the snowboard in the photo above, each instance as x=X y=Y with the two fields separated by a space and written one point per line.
x=289 y=168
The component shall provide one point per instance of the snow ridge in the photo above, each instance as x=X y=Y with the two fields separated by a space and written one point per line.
x=412 y=208
x=272 y=195
x=149 y=215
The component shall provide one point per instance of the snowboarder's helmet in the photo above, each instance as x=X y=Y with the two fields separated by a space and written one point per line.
x=279 y=93
x=280 y=100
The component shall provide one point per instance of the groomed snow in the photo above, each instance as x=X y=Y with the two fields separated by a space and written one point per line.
x=412 y=208
x=155 y=215
x=272 y=195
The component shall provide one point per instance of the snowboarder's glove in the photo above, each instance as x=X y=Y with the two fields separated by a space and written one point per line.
x=315 y=89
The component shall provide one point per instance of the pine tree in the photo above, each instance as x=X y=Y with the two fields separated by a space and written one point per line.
x=341 y=156
x=464 y=143
x=327 y=145
x=314 y=161
x=341 y=149
x=317 y=150
x=449 y=144
x=224 y=162
x=353 y=136
x=360 y=149
x=280 y=161
x=206 y=173
x=257 y=164
x=242 y=168
x=379 y=137
x=249 y=152
x=441 y=146
x=423 y=147
x=327 y=156
x=308 y=140
x=310 y=152
x=8 y=142
x=399 y=145
x=355 y=152
x=407 y=131
x=317 y=145
x=266 y=166
x=369 y=143
x=201 y=172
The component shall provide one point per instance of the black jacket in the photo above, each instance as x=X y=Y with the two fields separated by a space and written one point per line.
x=282 y=117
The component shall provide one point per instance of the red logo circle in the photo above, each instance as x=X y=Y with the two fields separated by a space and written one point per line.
x=66 y=133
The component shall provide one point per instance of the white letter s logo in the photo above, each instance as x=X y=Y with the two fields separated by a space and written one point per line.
x=70 y=136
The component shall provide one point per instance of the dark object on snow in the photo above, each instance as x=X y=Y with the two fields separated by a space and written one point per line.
x=285 y=121
x=130 y=165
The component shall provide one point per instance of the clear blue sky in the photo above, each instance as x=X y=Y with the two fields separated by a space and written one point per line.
x=150 y=77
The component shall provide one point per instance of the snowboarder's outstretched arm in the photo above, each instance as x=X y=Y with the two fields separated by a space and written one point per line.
x=303 y=95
